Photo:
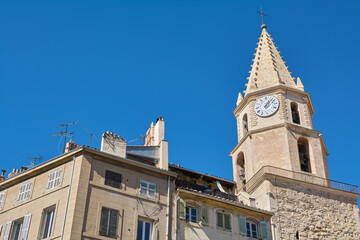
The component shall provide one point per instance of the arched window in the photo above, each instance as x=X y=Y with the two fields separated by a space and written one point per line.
x=223 y=220
x=191 y=214
x=303 y=147
x=252 y=229
x=295 y=113
x=241 y=167
x=245 y=124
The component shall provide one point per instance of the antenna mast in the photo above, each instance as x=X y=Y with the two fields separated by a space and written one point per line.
x=65 y=133
x=35 y=159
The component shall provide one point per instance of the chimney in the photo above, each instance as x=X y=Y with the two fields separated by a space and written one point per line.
x=155 y=134
x=113 y=144
x=71 y=145
x=2 y=177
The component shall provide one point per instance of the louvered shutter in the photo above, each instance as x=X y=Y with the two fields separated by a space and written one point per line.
x=113 y=223
x=227 y=221
x=263 y=230
x=104 y=221
x=204 y=215
x=7 y=231
x=25 y=227
x=27 y=191
x=2 y=196
x=57 y=178
x=220 y=220
x=242 y=225
x=51 y=181
x=181 y=209
x=21 y=193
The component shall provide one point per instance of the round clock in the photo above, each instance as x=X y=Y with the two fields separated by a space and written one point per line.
x=266 y=106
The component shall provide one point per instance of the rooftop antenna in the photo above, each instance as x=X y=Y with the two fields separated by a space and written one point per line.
x=142 y=140
x=65 y=133
x=91 y=135
x=34 y=160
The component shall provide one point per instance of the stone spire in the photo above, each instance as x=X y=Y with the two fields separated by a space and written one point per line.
x=268 y=68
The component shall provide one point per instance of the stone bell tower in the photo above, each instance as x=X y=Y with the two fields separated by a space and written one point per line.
x=280 y=160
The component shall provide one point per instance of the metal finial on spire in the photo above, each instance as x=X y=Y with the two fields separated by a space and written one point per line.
x=262 y=18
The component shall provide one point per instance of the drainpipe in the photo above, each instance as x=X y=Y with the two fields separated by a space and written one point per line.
x=67 y=200
x=168 y=210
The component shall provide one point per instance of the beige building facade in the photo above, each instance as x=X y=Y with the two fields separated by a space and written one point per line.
x=280 y=160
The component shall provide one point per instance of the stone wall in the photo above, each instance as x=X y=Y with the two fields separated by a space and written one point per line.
x=314 y=214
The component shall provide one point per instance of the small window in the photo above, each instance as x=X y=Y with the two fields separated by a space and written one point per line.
x=223 y=220
x=144 y=230
x=2 y=198
x=54 y=179
x=19 y=228
x=109 y=222
x=251 y=230
x=295 y=113
x=113 y=179
x=24 y=192
x=245 y=124
x=147 y=189
x=191 y=214
x=47 y=222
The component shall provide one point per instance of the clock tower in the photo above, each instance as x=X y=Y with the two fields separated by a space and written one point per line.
x=279 y=157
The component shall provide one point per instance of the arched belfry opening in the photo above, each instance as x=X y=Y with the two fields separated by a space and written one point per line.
x=295 y=113
x=304 y=156
x=241 y=167
x=245 y=124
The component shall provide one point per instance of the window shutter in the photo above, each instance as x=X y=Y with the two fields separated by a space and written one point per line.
x=227 y=222
x=104 y=221
x=1 y=201
x=113 y=223
x=242 y=225
x=21 y=192
x=220 y=220
x=27 y=192
x=57 y=178
x=263 y=230
x=25 y=227
x=204 y=215
x=51 y=180
x=7 y=231
x=181 y=209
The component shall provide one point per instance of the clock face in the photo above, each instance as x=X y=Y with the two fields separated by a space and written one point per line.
x=266 y=106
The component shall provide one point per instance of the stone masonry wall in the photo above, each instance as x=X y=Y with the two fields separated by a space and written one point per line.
x=314 y=214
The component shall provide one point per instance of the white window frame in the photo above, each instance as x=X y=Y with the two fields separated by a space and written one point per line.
x=47 y=225
x=189 y=214
x=252 y=223
x=54 y=179
x=2 y=200
x=25 y=192
x=143 y=229
x=147 y=189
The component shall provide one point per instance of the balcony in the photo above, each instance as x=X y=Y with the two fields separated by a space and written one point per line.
x=205 y=190
x=299 y=176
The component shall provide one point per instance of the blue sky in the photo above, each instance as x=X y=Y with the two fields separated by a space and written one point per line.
x=118 y=65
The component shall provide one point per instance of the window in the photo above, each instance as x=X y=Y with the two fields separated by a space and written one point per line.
x=251 y=230
x=303 y=147
x=54 y=179
x=2 y=198
x=144 y=230
x=24 y=192
x=223 y=220
x=109 y=222
x=48 y=219
x=113 y=179
x=147 y=189
x=295 y=113
x=245 y=124
x=17 y=229
x=191 y=214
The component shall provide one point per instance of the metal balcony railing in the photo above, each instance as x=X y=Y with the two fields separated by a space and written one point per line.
x=299 y=176
x=211 y=191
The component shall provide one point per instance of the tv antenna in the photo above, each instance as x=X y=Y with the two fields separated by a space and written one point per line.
x=65 y=133
x=91 y=135
x=142 y=140
x=34 y=160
